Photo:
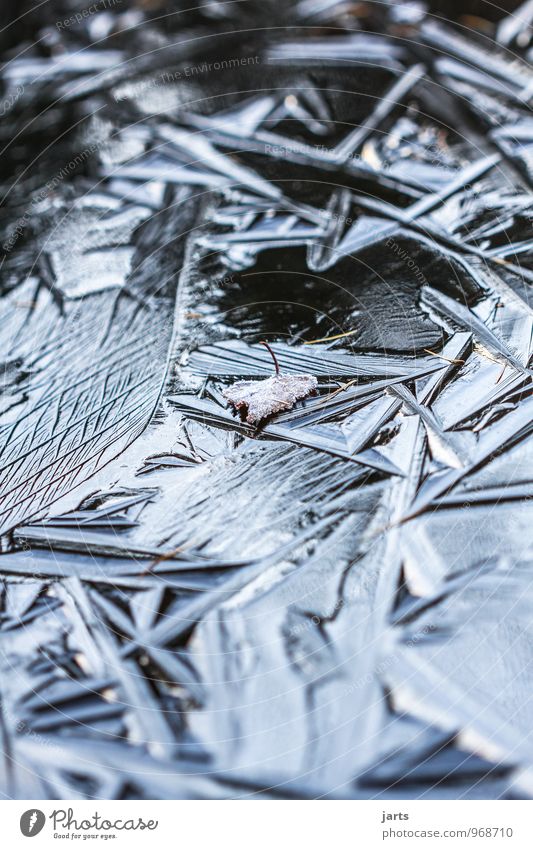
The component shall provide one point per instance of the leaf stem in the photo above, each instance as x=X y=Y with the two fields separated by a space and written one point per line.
x=272 y=354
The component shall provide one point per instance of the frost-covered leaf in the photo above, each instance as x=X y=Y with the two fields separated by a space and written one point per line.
x=259 y=399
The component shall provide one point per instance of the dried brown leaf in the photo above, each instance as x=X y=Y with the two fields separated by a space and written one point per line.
x=259 y=399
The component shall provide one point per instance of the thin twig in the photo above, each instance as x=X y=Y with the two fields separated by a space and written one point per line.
x=272 y=354
x=502 y=372
x=167 y=555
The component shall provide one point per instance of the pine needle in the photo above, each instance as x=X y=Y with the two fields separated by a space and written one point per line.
x=341 y=389
x=331 y=338
x=455 y=362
